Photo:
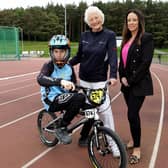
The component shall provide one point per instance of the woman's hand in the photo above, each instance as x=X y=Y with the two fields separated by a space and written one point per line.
x=124 y=81
x=113 y=81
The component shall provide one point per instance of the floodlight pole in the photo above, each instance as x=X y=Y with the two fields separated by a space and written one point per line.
x=65 y=13
x=21 y=31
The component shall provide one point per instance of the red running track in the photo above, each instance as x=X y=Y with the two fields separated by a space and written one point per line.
x=20 y=103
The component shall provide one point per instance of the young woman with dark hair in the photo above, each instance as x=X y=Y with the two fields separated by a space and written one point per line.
x=134 y=72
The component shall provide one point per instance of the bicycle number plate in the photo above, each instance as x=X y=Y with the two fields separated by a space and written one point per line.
x=96 y=96
x=90 y=113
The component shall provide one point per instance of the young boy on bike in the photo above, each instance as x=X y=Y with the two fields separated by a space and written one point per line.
x=57 y=79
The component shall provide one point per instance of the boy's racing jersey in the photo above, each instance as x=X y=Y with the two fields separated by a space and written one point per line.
x=53 y=91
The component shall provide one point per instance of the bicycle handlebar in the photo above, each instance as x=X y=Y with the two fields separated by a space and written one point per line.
x=78 y=87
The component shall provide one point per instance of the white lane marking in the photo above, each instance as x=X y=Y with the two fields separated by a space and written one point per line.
x=11 y=83
x=160 y=126
x=37 y=157
x=20 y=98
x=28 y=164
x=10 y=90
x=31 y=162
x=18 y=76
x=115 y=97
x=21 y=118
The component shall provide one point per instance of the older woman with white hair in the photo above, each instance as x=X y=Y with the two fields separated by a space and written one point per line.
x=91 y=13
x=96 y=53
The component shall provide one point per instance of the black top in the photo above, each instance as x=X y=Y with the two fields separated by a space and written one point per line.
x=96 y=51
x=44 y=78
x=137 y=70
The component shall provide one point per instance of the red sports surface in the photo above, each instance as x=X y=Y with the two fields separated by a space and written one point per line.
x=20 y=103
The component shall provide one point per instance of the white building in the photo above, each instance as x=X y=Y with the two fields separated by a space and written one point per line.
x=119 y=40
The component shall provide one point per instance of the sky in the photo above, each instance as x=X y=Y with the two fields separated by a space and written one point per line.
x=8 y=4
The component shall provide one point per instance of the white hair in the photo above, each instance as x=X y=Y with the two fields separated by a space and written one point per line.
x=93 y=9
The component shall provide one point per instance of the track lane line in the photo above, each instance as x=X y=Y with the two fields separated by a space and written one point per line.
x=22 y=87
x=22 y=81
x=20 y=98
x=160 y=126
x=21 y=118
x=116 y=96
x=37 y=157
x=18 y=76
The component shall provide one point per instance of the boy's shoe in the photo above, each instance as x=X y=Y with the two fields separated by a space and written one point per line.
x=115 y=151
x=83 y=142
x=62 y=135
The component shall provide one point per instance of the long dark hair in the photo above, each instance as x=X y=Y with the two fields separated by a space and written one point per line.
x=126 y=34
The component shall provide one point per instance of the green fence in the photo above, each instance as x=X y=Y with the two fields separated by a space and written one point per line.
x=9 y=43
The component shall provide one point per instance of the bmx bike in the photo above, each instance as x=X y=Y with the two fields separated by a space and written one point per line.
x=100 y=137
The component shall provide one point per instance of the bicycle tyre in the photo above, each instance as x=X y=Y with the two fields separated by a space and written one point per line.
x=102 y=157
x=47 y=136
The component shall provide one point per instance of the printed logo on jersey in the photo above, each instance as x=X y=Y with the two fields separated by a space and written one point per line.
x=64 y=98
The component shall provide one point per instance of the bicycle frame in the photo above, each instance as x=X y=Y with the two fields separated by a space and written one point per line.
x=91 y=113
x=74 y=125
x=84 y=120
x=100 y=138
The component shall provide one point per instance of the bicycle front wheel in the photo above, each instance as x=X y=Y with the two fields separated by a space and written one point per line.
x=100 y=149
x=47 y=127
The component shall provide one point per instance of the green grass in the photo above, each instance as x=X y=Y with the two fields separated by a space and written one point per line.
x=43 y=46
x=163 y=49
x=163 y=59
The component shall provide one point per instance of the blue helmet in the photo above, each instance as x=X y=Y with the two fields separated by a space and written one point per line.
x=59 y=42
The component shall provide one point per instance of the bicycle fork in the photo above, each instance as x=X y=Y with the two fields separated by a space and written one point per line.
x=95 y=130
x=100 y=139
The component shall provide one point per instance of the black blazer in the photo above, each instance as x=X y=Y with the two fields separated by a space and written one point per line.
x=137 y=70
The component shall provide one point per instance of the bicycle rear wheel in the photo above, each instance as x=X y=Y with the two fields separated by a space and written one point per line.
x=99 y=150
x=47 y=127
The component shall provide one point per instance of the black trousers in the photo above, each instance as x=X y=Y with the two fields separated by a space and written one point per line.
x=86 y=128
x=134 y=104
x=71 y=102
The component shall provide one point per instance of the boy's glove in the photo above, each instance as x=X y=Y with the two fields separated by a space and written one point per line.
x=67 y=85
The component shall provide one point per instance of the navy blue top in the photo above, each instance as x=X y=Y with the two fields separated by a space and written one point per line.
x=96 y=51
